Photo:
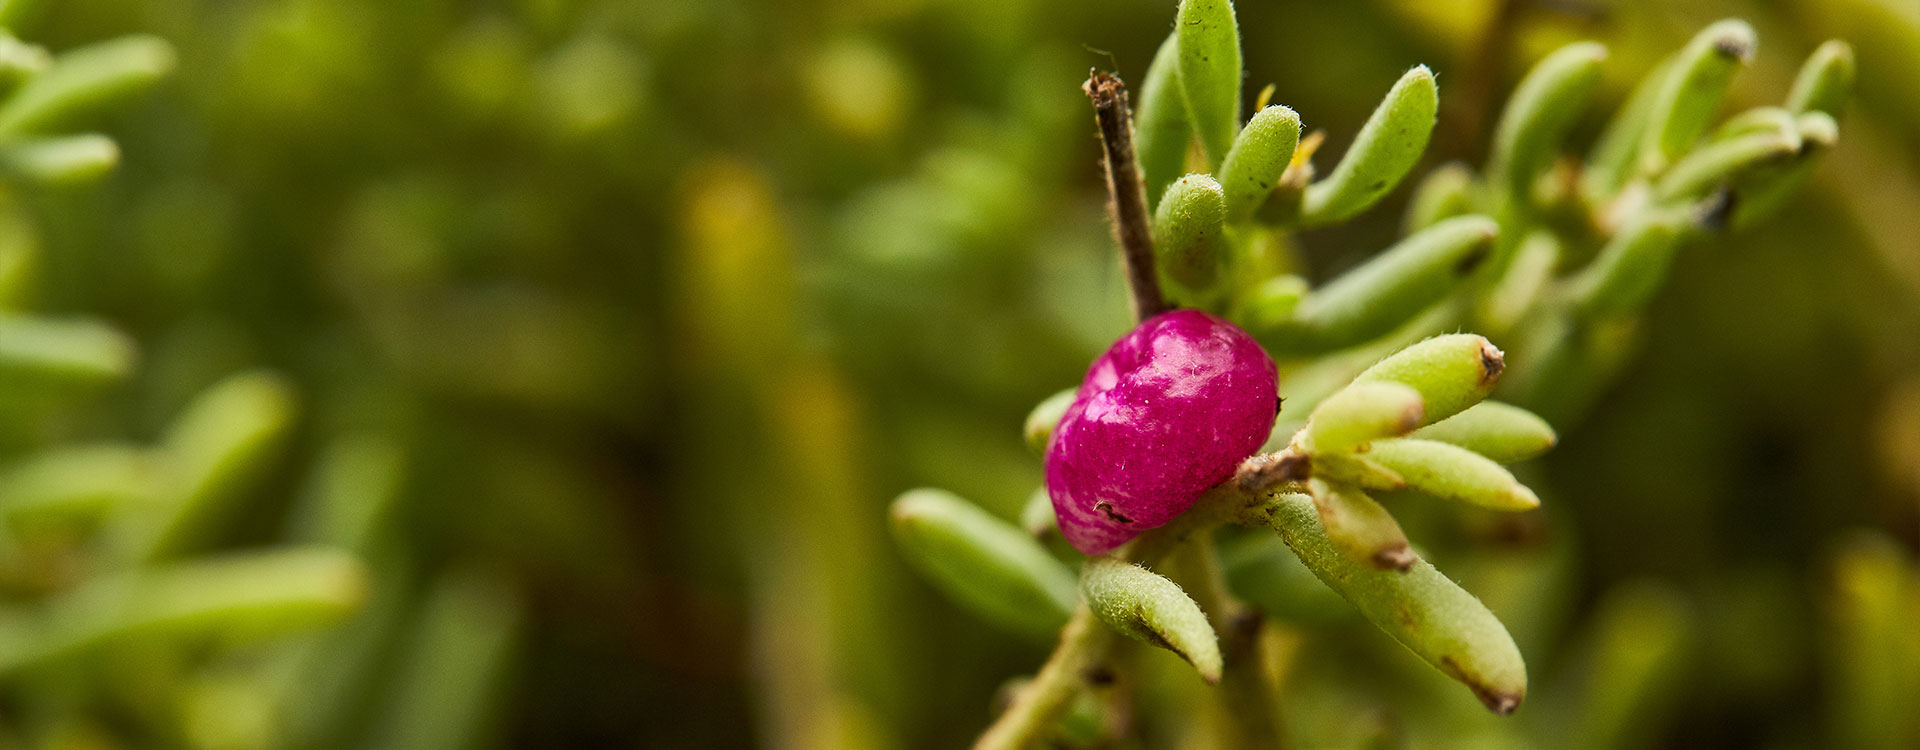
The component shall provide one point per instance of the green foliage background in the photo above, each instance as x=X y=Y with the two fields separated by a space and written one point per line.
x=658 y=303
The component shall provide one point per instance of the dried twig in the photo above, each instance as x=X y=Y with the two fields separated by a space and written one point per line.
x=1128 y=192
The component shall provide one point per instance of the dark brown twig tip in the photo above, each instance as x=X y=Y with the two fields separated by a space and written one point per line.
x=1267 y=470
x=1127 y=191
x=1104 y=88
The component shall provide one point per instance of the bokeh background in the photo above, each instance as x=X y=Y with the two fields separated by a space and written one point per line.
x=629 y=318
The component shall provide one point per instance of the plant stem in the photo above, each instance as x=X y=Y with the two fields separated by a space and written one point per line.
x=1127 y=191
x=1084 y=643
x=1246 y=697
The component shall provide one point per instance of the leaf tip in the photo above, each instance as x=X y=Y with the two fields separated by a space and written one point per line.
x=1524 y=498
x=1500 y=704
x=1492 y=362
x=1734 y=39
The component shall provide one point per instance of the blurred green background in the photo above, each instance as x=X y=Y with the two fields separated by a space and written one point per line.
x=600 y=333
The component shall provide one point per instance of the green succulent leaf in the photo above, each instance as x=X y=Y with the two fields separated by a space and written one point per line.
x=1542 y=109
x=247 y=594
x=1036 y=516
x=84 y=78
x=1271 y=303
x=1692 y=89
x=76 y=483
x=1356 y=470
x=1615 y=154
x=1148 y=607
x=1635 y=655
x=59 y=351
x=1386 y=149
x=983 y=563
x=1452 y=472
x=1360 y=528
x=1825 y=81
x=1522 y=283
x=358 y=481
x=1444 y=193
x=1758 y=120
x=1452 y=372
x=1210 y=72
x=1629 y=269
x=450 y=666
x=1189 y=236
x=1260 y=569
x=59 y=160
x=1259 y=156
x=1762 y=192
x=1161 y=132
x=1372 y=299
x=1874 y=659
x=1717 y=164
x=1818 y=130
x=219 y=446
x=1502 y=432
x=1421 y=608
x=19 y=61
x=1361 y=413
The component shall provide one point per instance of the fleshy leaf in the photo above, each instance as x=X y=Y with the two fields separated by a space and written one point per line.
x=1538 y=115
x=1369 y=301
x=1189 y=236
x=1362 y=530
x=1452 y=472
x=1210 y=72
x=1385 y=150
x=1421 y=608
x=1361 y=413
x=983 y=563
x=1452 y=372
x=1259 y=156
x=1144 y=605
x=1502 y=432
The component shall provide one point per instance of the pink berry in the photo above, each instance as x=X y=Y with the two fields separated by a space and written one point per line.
x=1169 y=411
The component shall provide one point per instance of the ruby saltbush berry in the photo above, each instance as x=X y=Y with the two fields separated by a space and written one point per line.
x=1388 y=368
x=1169 y=411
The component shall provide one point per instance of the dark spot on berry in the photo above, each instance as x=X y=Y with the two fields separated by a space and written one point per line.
x=1107 y=508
